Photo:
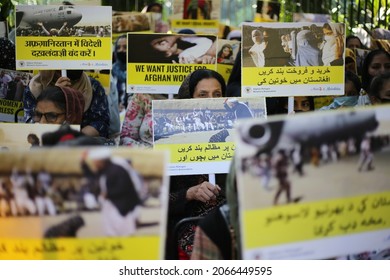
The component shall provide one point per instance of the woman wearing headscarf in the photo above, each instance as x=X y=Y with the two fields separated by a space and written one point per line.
x=59 y=105
x=257 y=50
x=333 y=46
x=96 y=117
x=119 y=69
x=308 y=53
x=193 y=195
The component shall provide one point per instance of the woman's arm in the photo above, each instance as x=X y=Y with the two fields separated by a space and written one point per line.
x=29 y=104
x=202 y=47
x=97 y=117
x=137 y=110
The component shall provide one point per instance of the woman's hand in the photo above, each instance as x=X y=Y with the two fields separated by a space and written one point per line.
x=203 y=192
x=205 y=59
x=63 y=82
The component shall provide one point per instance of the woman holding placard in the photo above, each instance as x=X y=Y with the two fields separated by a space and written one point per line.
x=193 y=195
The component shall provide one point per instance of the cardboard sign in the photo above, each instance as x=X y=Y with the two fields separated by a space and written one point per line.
x=291 y=59
x=310 y=182
x=199 y=132
x=56 y=205
x=12 y=85
x=63 y=37
x=158 y=63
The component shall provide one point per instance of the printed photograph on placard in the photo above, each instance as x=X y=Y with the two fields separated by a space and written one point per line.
x=267 y=11
x=281 y=166
x=67 y=37
x=28 y=136
x=290 y=59
x=226 y=56
x=83 y=199
x=158 y=63
x=131 y=22
x=202 y=17
x=199 y=132
x=199 y=10
x=227 y=51
x=12 y=85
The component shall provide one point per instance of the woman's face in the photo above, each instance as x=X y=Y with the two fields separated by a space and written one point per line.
x=121 y=45
x=208 y=88
x=350 y=89
x=256 y=37
x=354 y=43
x=226 y=52
x=327 y=32
x=384 y=93
x=301 y=104
x=380 y=64
x=47 y=112
x=166 y=47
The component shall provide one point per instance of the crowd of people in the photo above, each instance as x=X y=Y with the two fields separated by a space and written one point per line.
x=78 y=99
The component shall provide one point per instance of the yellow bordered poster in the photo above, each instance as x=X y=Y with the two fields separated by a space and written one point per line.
x=199 y=133
x=12 y=88
x=293 y=59
x=57 y=205
x=315 y=186
x=63 y=37
x=158 y=63
x=198 y=26
x=201 y=17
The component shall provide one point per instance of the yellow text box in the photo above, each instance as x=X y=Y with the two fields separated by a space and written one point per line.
x=316 y=220
x=161 y=73
x=134 y=248
x=274 y=76
x=199 y=152
x=9 y=107
x=63 y=48
x=194 y=23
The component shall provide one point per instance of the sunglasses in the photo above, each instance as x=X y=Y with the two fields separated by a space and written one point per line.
x=50 y=117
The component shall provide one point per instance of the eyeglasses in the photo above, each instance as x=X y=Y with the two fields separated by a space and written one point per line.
x=50 y=117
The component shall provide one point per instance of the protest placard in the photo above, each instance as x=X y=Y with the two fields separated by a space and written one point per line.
x=267 y=11
x=63 y=37
x=308 y=183
x=82 y=203
x=199 y=132
x=12 y=85
x=158 y=63
x=202 y=17
x=292 y=59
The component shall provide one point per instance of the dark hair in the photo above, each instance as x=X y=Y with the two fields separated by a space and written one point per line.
x=349 y=76
x=53 y=94
x=34 y=138
x=226 y=46
x=201 y=74
x=150 y=6
x=186 y=31
x=327 y=26
x=366 y=77
x=233 y=87
x=351 y=37
x=377 y=84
